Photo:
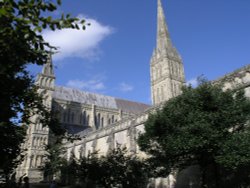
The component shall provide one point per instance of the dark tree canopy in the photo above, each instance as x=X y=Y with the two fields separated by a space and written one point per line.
x=204 y=126
x=117 y=169
x=21 y=44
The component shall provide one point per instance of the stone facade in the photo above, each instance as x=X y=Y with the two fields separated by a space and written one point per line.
x=105 y=122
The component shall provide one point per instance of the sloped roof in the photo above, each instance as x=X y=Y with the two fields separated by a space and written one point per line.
x=84 y=97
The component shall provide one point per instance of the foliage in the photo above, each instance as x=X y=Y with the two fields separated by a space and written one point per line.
x=114 y=170
x=21 y=44
x=205 y=126
x=55 y=161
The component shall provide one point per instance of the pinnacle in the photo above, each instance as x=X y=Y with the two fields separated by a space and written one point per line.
x=48 y=67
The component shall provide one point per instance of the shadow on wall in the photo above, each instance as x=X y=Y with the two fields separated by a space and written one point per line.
x=72 y=116
x=191 y=178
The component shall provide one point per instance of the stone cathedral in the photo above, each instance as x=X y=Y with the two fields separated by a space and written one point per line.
x=105 y=122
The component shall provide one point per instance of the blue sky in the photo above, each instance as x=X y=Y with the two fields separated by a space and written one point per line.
x=112 y=57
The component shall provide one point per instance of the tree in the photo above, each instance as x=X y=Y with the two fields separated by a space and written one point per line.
x=55 y=162
x=114 y=170
x=205 y=126
x=21 y=44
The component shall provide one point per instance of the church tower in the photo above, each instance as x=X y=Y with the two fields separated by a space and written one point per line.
x=37 y=135
x=166 y=68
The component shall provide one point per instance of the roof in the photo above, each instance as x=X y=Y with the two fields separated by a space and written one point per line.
x=84 y=97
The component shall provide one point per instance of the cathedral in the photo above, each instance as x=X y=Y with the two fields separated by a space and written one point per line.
x=105 y=122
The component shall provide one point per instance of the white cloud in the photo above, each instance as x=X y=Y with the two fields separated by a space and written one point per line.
x=78 y=43
x=90 y=85
x=125 y=87
x=193 y=82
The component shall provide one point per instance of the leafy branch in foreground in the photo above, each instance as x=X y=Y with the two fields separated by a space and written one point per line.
x=21 y=43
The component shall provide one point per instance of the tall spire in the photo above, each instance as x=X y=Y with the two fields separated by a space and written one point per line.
x=163 y=38
x=166 y=68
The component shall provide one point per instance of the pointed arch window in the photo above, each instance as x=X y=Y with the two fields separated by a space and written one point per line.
x=68 y=116
x=72 y=117
x=102 y=122
x=84 y=118
x=98 y=120
x=64 y=117
x=87 y=122
x=162 y=93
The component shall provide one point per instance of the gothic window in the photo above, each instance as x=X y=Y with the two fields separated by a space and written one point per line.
x=64 y=117
x=98 y=120
x=109 y=121
x=40 y=141
x=31 y=161
x=33 y=141
x=37 y=141
x=68 y=119
x=72 y=117
x=80 y=119
x=87 y=123
x=84 y=118
x=113 y=118
x=44 y=141
x=36 y=161
x=102 y=122
x=162 y=93
x=39 y=161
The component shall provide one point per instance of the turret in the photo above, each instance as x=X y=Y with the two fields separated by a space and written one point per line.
x=46 y=79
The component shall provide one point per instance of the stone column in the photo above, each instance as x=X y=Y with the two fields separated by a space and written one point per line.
x=111 y=141
x=92 y=118
x=83 y=150
x=120 y=115
x=132 y=139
